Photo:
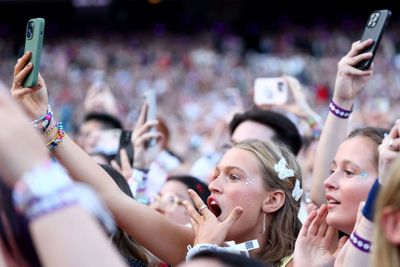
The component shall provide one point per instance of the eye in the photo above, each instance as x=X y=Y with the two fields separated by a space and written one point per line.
x=331 y=171
x=348 y=173
x=233 y=177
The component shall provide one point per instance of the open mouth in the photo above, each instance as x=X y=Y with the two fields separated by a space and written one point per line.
x=332 y=201
x=214 y=207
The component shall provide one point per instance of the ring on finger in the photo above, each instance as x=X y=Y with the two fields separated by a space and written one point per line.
x=202 y=208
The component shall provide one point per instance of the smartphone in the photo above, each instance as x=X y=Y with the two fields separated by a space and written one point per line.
x=34 y=43
x=150 y=97
x=270 y=91
x=374 y=29
x=125 y=143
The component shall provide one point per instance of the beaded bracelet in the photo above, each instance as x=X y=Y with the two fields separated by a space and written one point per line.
x=58 y=139
x=360 y=243
x=338 y=111
x=44 y=121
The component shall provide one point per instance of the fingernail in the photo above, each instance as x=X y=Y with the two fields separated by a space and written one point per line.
x=29 y=64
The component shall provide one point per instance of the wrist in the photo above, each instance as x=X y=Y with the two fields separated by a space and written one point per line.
x=343 y=103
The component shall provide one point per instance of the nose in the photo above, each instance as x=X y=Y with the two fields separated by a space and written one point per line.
x=331 y=182
x=215 y=186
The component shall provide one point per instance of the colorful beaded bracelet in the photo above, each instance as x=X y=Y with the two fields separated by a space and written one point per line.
x=44 y=121
x=58 y=139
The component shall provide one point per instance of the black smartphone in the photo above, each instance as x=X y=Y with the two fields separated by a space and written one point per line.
x=125 y=143
x=374 y=29
x=34 y=43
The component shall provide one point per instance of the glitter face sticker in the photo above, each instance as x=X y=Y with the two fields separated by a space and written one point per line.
x=249 y=181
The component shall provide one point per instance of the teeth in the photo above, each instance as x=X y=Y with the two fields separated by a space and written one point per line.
x=213 y=202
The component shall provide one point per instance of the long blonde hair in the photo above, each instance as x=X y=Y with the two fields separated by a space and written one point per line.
x=285 y=225
x=385 y=253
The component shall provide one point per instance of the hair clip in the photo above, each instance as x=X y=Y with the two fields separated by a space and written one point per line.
x=282 y=170
x=297 y=191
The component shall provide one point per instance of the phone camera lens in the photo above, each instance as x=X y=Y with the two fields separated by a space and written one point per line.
x=29 y=30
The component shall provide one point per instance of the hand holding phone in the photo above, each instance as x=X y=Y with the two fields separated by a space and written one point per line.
x=34 y=43
x=270 y=91
x=374 y=29
x=150 y=97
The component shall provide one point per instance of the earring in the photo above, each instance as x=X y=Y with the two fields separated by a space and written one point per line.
x=264 y=219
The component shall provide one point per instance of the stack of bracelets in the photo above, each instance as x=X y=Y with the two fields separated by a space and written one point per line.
x=47 y=125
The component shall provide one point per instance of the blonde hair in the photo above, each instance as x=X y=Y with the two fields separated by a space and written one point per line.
x=384 y=252
x=285 y=225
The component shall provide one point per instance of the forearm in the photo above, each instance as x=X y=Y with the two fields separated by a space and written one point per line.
x=145 y=225
x=356 y=254
x=74 y=229
x=333 y=133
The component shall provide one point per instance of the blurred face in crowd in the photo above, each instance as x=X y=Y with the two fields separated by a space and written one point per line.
x=237 y=181
x=353 y=172
x=88 y=135
x=251 y=130
x=169 y=202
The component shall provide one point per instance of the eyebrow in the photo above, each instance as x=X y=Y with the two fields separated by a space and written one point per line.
x=347 y=161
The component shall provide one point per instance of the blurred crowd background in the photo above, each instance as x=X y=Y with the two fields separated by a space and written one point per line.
x=194 y=52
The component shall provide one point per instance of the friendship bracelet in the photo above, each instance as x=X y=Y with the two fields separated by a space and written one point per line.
x=44 y=121
x=51 y=130
x=58 y=139
x=360 y=243
x=338 y=111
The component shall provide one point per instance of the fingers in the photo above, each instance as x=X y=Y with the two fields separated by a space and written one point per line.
x=21 y=63
x=20 y=77
x=142 y=116
x=147 y=137
x=358 y=47
x=318 y=221
x=233 y=217
x=352 y=61
x=307 y=223
x=199 y=203
x=192 y=211
x=143 y=128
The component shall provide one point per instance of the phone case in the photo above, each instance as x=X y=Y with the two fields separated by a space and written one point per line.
x=34 y=43
x=374 y=29
x=150 y=96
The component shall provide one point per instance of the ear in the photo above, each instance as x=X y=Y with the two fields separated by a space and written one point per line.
x=390 y=223
x=273 y=201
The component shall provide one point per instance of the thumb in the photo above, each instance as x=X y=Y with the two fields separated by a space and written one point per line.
x=233 y=216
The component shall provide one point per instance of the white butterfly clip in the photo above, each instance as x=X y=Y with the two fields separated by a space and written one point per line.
x=282 y=170
x=297 y=191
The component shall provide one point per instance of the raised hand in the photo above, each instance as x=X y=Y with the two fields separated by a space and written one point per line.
x=34 y=100
x=389 y=151
x=350 y=81
x=207 y=227
x=300 y=106
x=316 y=243
x=141 y=136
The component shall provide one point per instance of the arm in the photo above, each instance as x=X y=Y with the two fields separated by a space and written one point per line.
x=66 y=235
x=349 y=83
x=145 y=225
